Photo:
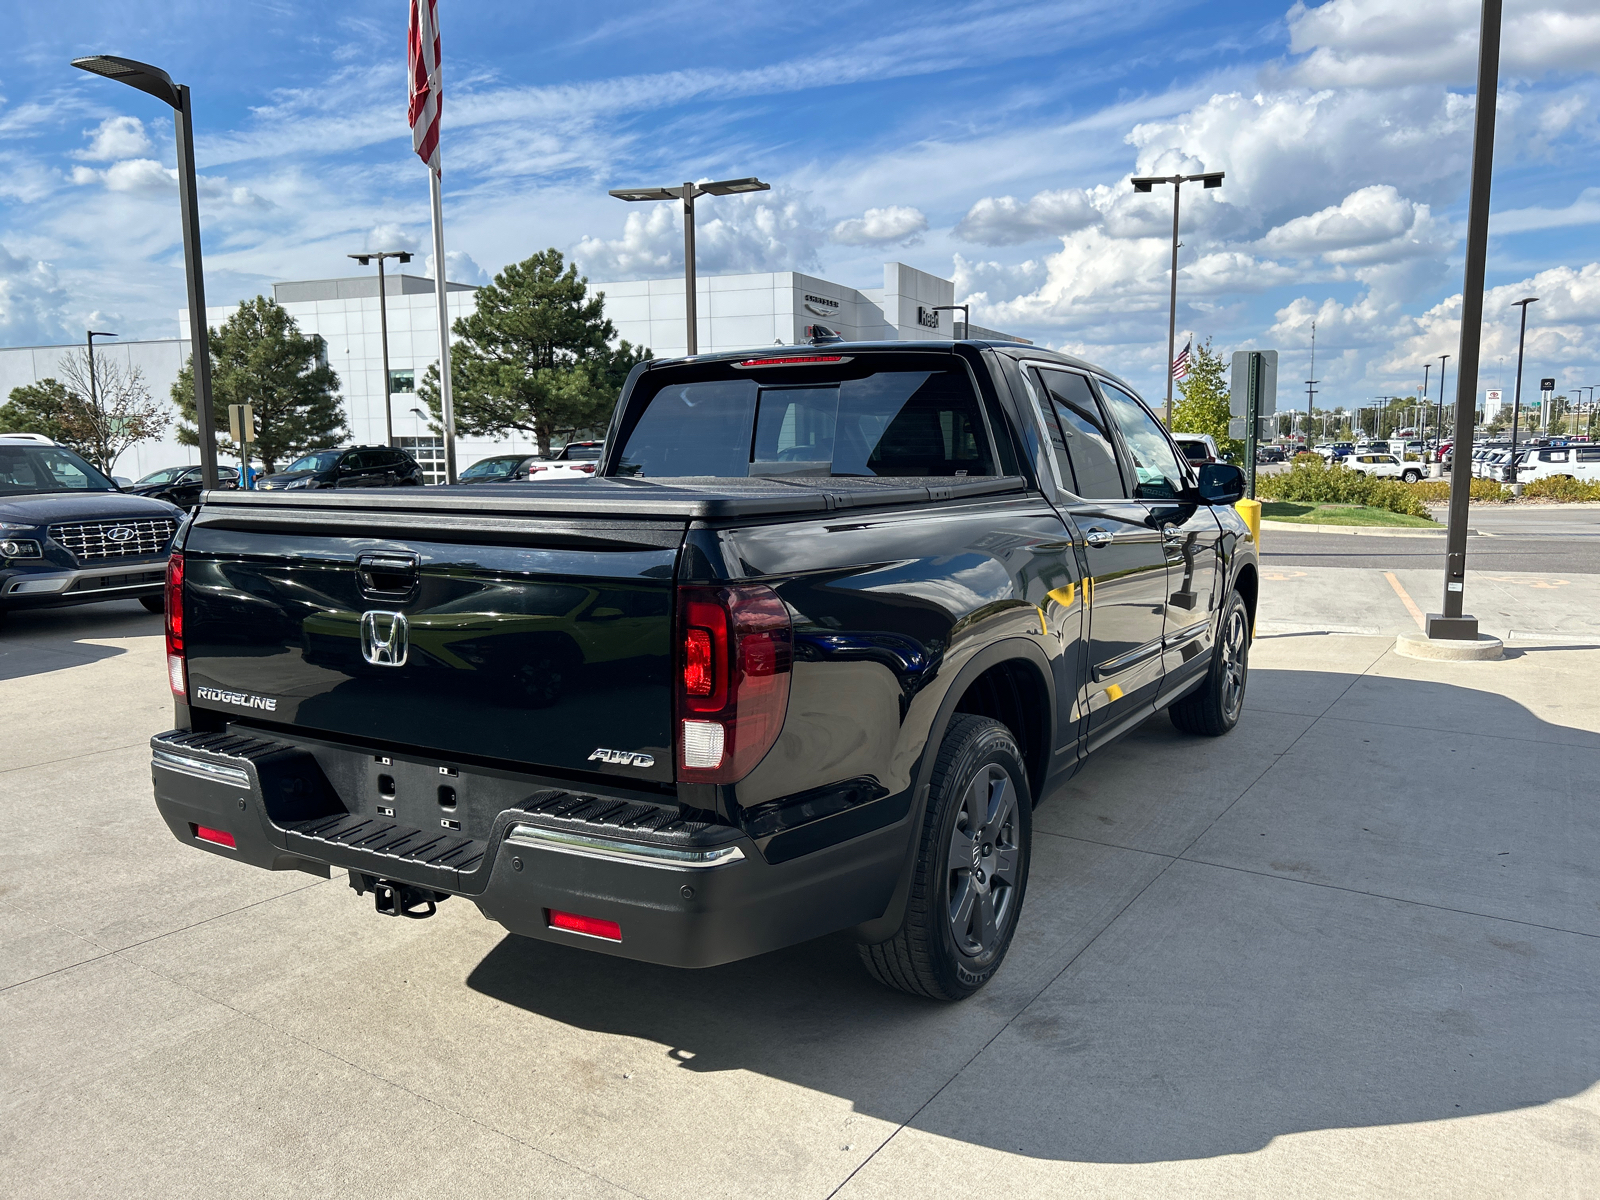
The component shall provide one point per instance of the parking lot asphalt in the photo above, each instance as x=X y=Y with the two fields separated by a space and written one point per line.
x=1352 y=949
x=1537 y=538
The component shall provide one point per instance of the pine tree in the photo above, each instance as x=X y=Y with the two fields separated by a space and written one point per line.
x=534 y=356
x=1205 y=404
x=260 y=357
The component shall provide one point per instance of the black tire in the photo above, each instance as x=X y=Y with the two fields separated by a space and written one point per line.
x=1213 y=708
x=961 y=915
x=155 y=604
x=1410 y=476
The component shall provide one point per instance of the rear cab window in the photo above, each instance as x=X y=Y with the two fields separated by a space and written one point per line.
x=877 y=414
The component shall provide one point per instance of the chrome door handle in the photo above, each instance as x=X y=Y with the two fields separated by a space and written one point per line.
x=1097 y=537
x=1171 y=533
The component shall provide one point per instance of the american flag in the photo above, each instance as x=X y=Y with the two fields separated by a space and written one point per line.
x=422 y=60
x=1180 y=365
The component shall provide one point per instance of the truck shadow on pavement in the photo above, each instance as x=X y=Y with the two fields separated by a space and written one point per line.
x=1324 y=955
x=38 y=641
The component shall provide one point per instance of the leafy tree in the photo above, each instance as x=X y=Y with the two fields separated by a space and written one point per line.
x=45 y=407
x=99 y=422
x=1205 y=405
x=534 y=356
x=260 y=357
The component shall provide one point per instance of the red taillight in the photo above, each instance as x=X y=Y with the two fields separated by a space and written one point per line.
x=177 y=669
x=794 y=360
x=736 y=645
x=585 y=467
x=215 y=836
x=697 y=678
x=591 y=926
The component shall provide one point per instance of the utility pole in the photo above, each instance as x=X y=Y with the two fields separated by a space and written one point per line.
x=1516 y=403
x=1311 y=391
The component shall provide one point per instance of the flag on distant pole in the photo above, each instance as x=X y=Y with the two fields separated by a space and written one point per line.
x=426 y=103
x=1180 y=365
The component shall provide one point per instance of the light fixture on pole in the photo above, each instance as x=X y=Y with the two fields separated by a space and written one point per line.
x=156 y=82
x=94 y=390
x=1516 y=401
x=1211 y=179
x=687 y=193
x=404 y=256
x=966 y=317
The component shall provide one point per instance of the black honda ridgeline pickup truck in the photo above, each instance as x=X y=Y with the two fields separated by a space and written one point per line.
x=800 y=658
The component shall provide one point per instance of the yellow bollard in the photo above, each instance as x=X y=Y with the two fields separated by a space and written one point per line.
x=1250 y=510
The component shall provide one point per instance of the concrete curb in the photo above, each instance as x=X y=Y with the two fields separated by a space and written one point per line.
x=1369 y=530
x=1418 y=645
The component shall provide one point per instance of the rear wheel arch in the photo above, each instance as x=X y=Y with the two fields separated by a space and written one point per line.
x=1017 y=659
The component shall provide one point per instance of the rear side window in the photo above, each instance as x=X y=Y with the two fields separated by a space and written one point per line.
x=1589 y=455
x=809 y=421
x=1080 y=438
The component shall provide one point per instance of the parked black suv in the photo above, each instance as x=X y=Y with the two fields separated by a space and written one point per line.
x=357 y=467
x=180 y=485
x=69 y=536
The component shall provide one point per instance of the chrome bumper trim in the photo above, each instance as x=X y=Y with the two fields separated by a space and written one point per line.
x=589 y=846
x=200 y=768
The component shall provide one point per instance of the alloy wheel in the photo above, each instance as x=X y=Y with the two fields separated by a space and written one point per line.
x=1234 y=664
x=982 y=862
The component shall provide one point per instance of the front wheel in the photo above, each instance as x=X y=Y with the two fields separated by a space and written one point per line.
x=1213 y=708
x=1411 y=476
x=971 y=869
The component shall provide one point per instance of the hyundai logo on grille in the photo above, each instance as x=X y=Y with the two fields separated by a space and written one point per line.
x=385 y=638
x=120 y=533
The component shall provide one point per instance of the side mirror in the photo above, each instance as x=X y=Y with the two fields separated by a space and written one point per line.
x=1221 y=483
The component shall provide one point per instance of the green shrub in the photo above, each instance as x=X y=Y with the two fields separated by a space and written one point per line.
x=1437 y=491
x=1563 y=488
x=1311 y=480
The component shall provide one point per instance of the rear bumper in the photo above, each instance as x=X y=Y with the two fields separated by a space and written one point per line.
x=684 y=895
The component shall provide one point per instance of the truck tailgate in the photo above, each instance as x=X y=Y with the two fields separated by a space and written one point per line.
x=522 y=639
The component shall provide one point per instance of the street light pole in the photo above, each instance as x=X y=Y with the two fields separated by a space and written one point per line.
x=966 y=317
x=1440 y=424
x=1211 y=179
x=1452 y=624
x=1516 y=402
x=156 y=82
x=383 y=325
x=687 y=194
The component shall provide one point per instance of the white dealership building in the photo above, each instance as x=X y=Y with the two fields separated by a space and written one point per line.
x=735 y=312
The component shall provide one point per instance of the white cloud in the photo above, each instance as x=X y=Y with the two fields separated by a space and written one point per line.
x=1006 y=221
x=1585 y=210
x=1378 y=43
x=459 y=268
x=32 y=303
x=117 y=137
x=1372 y=225
x=769 y=231
x=880 y=226
x=391 y=236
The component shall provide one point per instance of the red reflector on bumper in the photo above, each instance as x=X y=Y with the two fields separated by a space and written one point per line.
x=592 y=926
x=217 y=836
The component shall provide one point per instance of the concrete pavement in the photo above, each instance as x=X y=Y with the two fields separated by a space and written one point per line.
x=1351 y=950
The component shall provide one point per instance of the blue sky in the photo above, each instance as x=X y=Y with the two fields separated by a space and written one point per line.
x=991 y=142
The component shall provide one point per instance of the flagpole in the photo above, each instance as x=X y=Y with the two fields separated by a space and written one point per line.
x=446 y=400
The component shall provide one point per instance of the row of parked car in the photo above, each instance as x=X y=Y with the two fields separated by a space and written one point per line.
x=1576 y=460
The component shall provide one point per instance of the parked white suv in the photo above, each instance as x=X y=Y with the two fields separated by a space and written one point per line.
x=1548 y=462
x=1384 y=466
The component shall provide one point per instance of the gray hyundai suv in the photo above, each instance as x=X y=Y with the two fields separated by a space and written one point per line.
x=69 y=535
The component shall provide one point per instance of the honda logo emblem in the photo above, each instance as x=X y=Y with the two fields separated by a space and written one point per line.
x=385 y=638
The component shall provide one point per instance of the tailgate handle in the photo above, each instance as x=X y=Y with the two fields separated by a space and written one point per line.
x=384 y=573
